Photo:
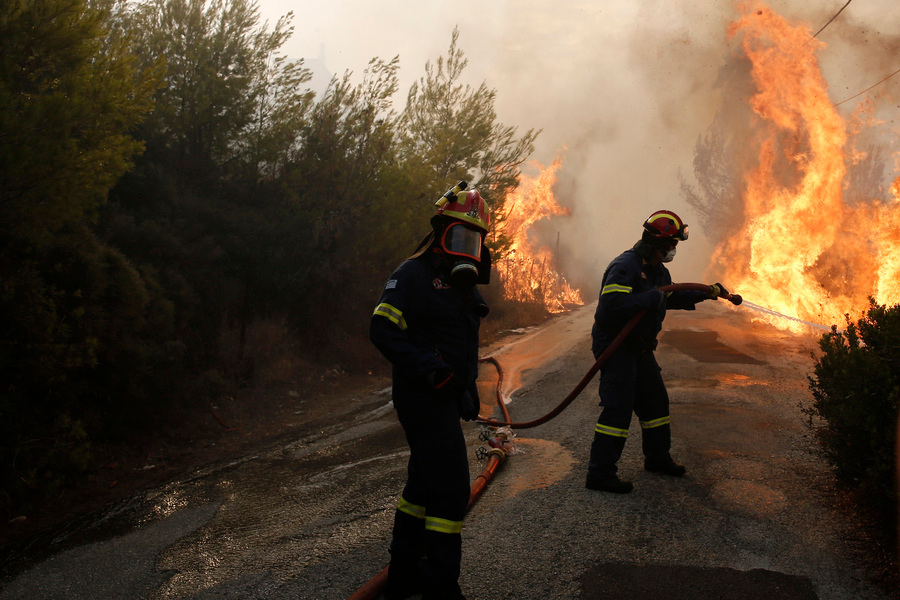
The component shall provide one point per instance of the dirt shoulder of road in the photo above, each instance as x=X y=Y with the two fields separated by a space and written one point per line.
x=235 y=425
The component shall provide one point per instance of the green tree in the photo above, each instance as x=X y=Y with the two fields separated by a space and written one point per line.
x=70 y=94
x=68 y=100
x=199 y=209
x=344 y=185
x=229 y=97
x=449 y=132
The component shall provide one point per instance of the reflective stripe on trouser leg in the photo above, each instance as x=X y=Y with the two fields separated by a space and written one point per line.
x=438 y=480
x=442 y=525
x=407 y=541
x=413 y=510
x=610 y=435
x=655 y=423
x=611 y=431
x=656 y=438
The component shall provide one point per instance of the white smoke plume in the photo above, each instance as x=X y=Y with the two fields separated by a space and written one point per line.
x=622 y=89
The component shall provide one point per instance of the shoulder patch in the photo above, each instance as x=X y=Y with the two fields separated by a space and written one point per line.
x=391 y=284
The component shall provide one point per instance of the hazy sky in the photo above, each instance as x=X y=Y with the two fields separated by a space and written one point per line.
x=625 y=87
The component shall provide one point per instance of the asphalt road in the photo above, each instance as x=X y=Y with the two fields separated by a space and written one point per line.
x=311 y=518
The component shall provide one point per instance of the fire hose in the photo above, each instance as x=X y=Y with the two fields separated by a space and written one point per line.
x=501 y=442
x=601 y=360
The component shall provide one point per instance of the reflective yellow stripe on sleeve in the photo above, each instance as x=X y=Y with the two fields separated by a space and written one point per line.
x=612 y=431
x=392 y=314
x=614 y=287
x=655 y=423
x=443 y=525
x=413 y=510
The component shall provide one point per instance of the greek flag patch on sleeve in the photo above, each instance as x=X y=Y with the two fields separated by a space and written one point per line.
x=391 y=284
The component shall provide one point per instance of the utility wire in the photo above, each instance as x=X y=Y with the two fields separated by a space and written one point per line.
x=833 y=18
x=868 y=88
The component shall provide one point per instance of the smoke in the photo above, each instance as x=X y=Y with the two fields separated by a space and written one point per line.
x=622 y=90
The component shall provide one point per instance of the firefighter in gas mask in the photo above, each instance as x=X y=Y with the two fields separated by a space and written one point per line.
x=630 y=380
x=426 y=324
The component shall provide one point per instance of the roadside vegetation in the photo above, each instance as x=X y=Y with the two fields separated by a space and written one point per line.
x=182 y=218
x=856 y=390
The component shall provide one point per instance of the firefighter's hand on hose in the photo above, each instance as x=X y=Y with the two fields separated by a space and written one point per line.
x=446 y=383
x=468 y=407
x=718 y=291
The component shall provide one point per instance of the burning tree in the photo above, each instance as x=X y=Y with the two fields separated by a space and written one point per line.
x=789 y=237
x=529 y=274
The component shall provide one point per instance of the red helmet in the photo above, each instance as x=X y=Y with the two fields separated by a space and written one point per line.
x=666 y=224
x=470 y=207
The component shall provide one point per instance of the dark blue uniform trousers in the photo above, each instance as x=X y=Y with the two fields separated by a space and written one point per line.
x=631 y=381
x=428 y=520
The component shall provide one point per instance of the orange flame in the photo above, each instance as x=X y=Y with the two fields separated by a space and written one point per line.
x=801 y=250
x=529 y=274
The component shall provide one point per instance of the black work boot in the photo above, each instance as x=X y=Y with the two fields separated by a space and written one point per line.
x=665 y=466
x=403 y=583
x=449 y=591
x=610 y=484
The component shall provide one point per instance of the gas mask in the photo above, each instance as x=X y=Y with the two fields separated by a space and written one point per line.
x=669 y=255
x=462 y=247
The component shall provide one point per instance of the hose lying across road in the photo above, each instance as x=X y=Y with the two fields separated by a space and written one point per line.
x=501 y=442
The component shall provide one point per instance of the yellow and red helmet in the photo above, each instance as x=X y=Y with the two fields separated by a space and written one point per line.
x=666 y=224
x=469 y=207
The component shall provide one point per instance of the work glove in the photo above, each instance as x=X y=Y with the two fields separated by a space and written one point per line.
x=447 y=383
x=717 y=290
x=469 y=407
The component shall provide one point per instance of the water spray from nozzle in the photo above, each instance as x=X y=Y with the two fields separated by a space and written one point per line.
x=775 y=313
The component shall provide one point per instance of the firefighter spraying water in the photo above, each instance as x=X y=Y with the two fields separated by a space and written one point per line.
x=630 y=381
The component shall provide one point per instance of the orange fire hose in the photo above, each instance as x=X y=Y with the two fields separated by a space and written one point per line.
x=375 y=586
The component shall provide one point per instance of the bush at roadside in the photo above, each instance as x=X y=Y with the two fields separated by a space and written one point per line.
x=854 y=412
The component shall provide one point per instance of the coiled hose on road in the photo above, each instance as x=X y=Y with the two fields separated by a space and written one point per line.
x=500 y=443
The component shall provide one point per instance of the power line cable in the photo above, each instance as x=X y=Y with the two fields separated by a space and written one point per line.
x=868 y=88
x=833 y=18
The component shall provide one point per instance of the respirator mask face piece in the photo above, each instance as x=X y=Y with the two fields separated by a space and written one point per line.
x=462 y=246
x=670 y=255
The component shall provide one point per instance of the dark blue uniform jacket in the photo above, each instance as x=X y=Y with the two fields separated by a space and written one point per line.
x=627 y=288
x=422 y=323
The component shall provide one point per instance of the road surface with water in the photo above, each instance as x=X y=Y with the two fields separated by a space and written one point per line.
x=311 y=518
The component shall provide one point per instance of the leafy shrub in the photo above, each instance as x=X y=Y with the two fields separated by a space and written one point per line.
x=855 y=391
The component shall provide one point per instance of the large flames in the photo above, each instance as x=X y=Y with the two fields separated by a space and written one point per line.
x=530 y=274
x=802 y=250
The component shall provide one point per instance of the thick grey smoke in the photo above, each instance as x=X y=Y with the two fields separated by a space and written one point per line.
x=623 y=90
